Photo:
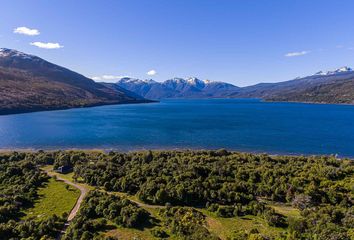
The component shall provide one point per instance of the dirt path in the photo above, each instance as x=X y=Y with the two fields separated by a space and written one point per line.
x=83 y=191
x=140 y=204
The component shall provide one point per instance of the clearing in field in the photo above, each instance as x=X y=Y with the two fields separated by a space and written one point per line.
x=55 y=197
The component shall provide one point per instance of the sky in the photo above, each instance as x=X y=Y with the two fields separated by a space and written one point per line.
x=237 y=41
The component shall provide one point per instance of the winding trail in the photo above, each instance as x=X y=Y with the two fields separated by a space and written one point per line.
x=84 y=189
x=83 y=192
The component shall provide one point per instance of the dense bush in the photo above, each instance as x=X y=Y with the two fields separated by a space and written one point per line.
x=20 y=179
x=97 y=208
x=159 y=233
x=31 y=229
x=187 y=223
x=196 y=177
x=228 y=183
x=274 y=219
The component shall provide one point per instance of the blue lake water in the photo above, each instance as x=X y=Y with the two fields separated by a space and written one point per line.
x=245 y=125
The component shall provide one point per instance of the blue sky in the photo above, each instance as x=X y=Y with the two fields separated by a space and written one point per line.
x=242 y=42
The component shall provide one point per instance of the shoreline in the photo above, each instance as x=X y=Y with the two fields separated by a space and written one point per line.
x=107 y=150
x=24 y=111
x=315 y=103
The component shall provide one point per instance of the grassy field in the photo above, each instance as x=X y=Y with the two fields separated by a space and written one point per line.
x=285 y=210
x=140 y=234
x=130 y=233
x=226 y=227
x=55 y=197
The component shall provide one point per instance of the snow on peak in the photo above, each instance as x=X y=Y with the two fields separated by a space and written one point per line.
x=344 y=69
x=178 y=80
x=194 y=80
x=5 y=52
x=339 y=70
x=126 y=79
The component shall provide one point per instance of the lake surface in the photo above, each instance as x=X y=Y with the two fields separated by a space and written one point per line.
x=234 y=124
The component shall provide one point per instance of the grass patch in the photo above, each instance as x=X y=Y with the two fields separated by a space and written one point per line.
x=55 y=197
x=226 y=227
x=285 y=210
x=67 y=176
x=124 y=233
x=130 y=233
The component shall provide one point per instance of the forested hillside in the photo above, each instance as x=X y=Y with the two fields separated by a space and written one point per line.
x=341 y=91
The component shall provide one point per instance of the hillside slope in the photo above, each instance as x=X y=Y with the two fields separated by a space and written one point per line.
x=339 y=91
x=29 y=83
x=331 y=87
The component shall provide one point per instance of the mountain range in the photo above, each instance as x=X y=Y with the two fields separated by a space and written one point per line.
x=177 y=88
x=322 y=87
x=29 y=83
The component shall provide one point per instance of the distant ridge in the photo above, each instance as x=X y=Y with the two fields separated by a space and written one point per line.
x=177 y=88
x=29 y=83
x=344 y=69
x=335 y=86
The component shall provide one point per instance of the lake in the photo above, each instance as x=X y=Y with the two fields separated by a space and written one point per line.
x=235 y=124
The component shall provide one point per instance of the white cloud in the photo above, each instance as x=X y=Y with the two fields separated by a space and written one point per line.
x=151 y=72
x=108 y=78
x=296 y=54
x=27 y=31
x=47 y=45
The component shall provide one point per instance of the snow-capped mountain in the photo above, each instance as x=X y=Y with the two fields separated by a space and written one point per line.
x=135 y=80
x=335 y=86
x=5 y=52
x=177 y=88
x=344 y=69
